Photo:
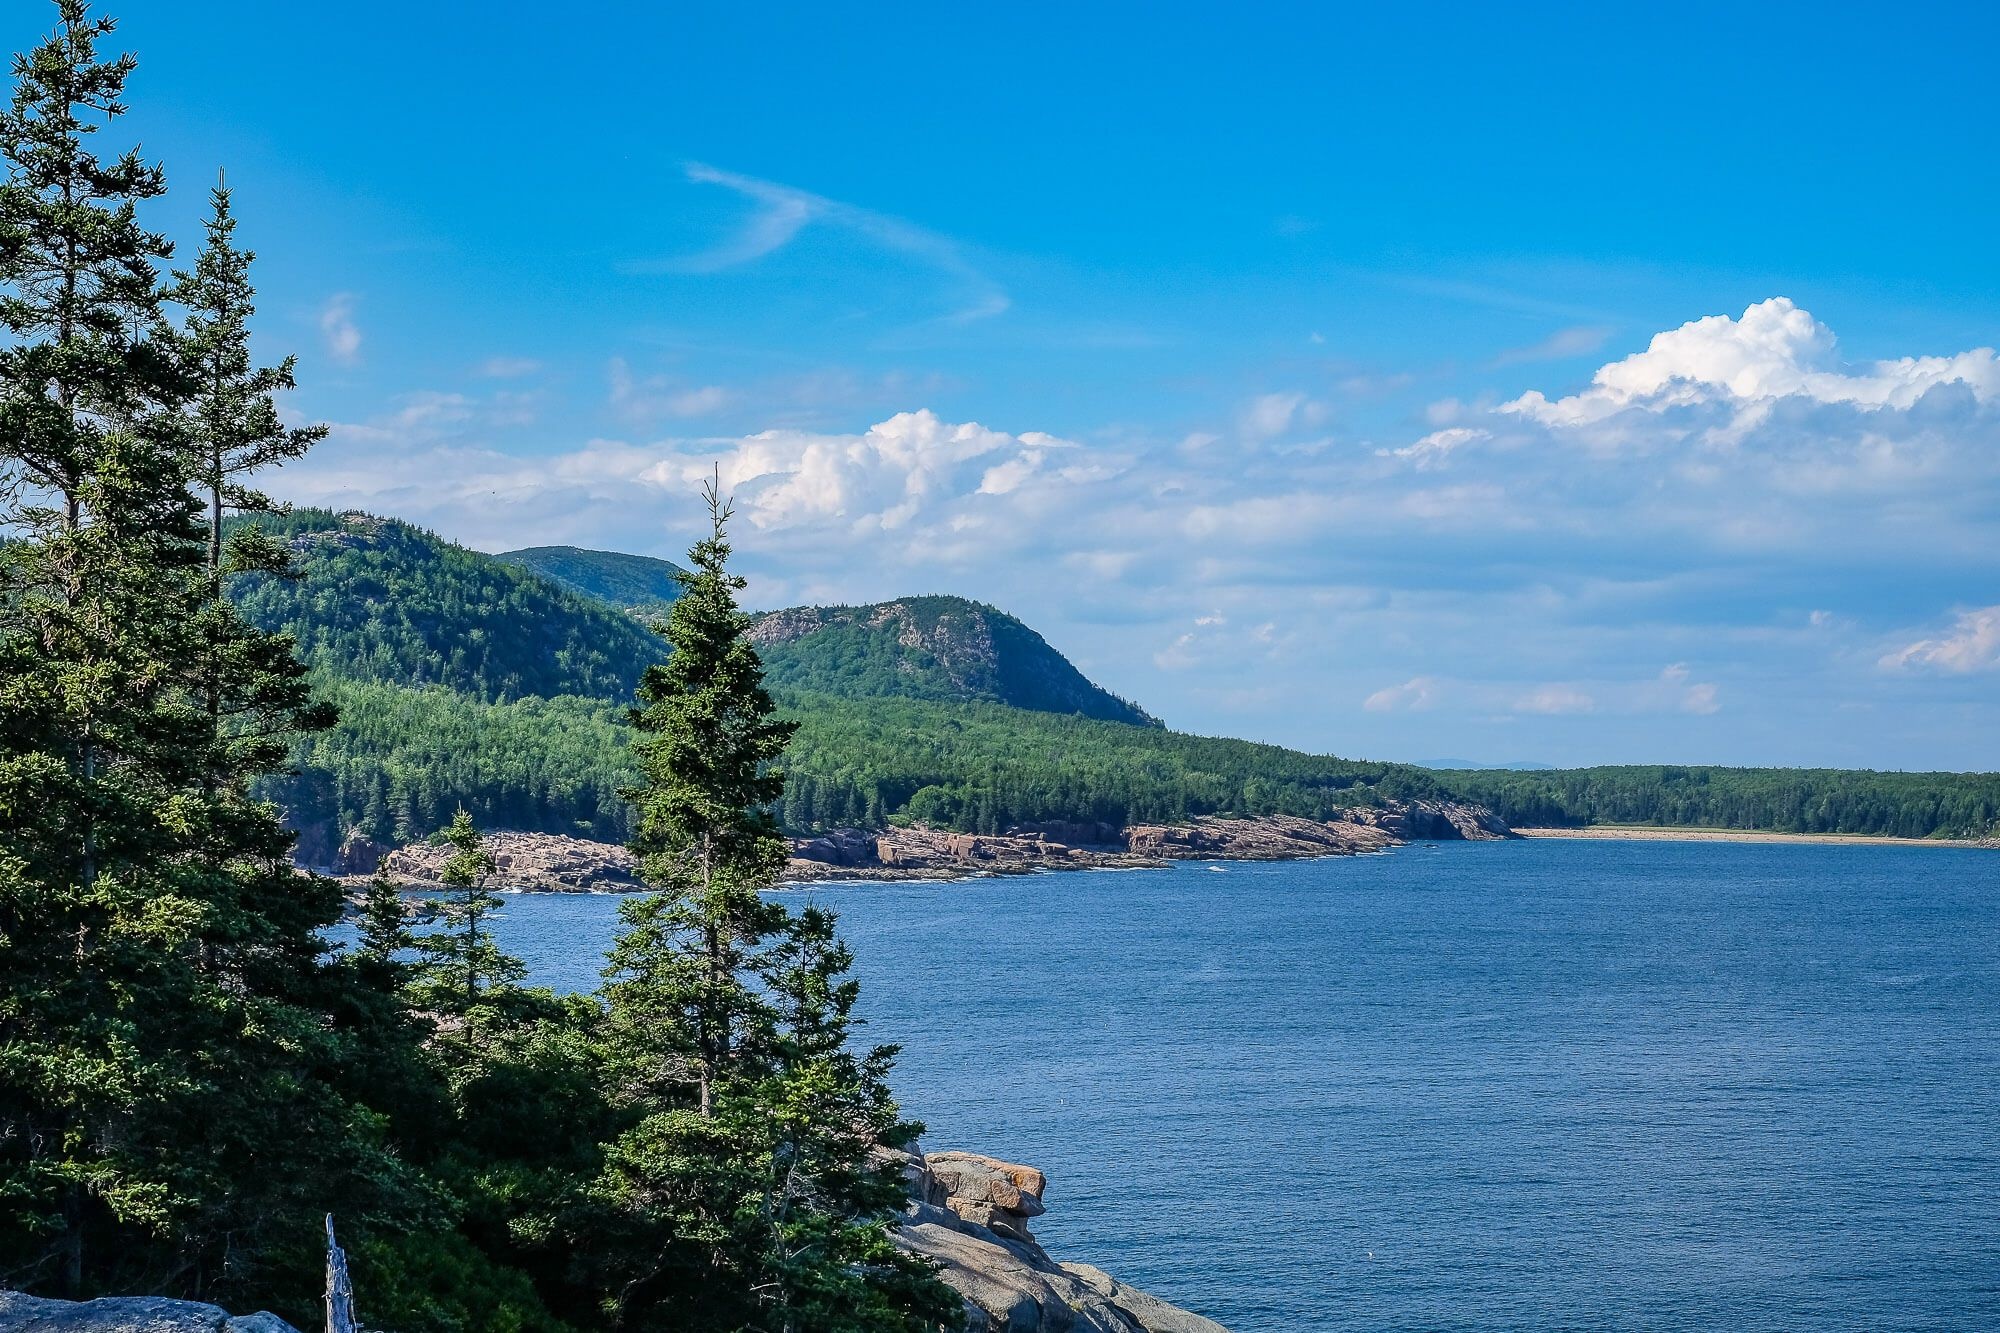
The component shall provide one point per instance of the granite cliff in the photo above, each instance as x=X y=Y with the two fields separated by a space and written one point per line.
x=969 y=1214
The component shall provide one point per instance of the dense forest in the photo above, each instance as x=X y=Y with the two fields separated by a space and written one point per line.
x=401 y=760
x=375 y=599
x=629 y=582
x=1785 y=800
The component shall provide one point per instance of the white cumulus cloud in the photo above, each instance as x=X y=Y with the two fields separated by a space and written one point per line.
x=1418 y=692
x=1776 y=350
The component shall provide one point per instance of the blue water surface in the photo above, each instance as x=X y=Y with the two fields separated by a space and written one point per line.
x=1532 y=1085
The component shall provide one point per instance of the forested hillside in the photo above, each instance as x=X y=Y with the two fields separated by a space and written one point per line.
x=380 y=600
x=403 y=759
x=1787 y=800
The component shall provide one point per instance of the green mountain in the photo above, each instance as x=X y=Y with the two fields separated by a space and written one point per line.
x=629 y=582
x=379 y=600
x=937 y=648
x=940 y=648
x=463 y=678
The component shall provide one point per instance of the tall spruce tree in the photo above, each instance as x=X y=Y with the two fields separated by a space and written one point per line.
x=747 y=1192
x=164 y=994
x=92 y=744
x=233 y=414
x=251 y=682
x=461 y=965
x=705 y=836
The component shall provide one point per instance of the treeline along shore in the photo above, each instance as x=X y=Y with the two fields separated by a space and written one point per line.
x=555 y=863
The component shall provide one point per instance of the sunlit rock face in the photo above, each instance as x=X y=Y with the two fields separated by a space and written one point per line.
x=969 y=1214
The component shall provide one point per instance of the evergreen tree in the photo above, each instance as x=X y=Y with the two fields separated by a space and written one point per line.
x=461 y=965
x=384 y=929
x=232 y=414
x=827 y=1261
x=746 y=1192
x=705 y=836
x=92 y=744
x=164 y=993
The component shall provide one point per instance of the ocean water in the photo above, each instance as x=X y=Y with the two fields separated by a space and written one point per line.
x=1532 y=1085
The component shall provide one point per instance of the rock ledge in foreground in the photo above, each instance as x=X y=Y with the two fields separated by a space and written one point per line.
x=21 y=1313
x=970 y=1213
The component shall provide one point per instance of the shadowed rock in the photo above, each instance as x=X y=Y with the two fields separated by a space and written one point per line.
x=128 y=1314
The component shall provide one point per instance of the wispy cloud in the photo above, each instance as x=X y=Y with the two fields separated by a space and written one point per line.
x=338 y=329
x=782 y=212
x=1971 y=644
x=1578 y=340
x=659 y=397
x=1671 y=691
x=1270 y=415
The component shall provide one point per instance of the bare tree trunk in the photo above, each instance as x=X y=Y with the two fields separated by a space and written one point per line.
x=339 y=1291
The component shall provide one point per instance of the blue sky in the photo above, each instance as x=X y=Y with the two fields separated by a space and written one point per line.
x=1287 y=366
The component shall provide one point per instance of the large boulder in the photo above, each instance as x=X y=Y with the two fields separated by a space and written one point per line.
x=968 y=1215
x=988 y=1192
x=542 y=862
x=20 y=1313
x=360 y=854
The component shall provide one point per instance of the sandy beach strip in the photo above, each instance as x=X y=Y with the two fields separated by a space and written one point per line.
x=1653 y=834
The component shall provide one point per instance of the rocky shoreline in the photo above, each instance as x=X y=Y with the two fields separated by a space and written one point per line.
x=553 y=863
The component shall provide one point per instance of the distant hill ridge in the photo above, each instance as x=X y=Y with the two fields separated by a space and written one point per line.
x=465 y=679
x=639 y=583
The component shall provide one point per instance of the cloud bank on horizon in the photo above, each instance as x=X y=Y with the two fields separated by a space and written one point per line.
x=1732 y=532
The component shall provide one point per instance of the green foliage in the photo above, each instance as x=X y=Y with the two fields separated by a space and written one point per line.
x=983 y=768
x=167 y=1009
x=555 y=765
x=636 y=583
x=706 y=837
x=190 y=1077
x=939 y=648
x=402 y=760
x=379 y=600
x=1786 y=800
x=460 y=963
x=746 y=1193
x=230 y=418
